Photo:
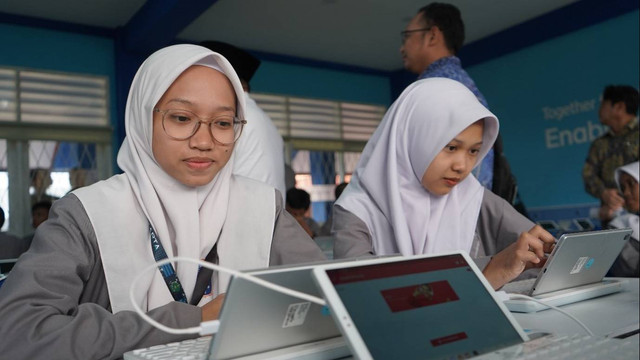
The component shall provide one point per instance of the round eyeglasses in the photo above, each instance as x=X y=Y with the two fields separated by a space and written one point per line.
x=183 y=124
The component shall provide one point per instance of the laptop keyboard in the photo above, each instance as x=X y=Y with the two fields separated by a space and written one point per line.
x=198 y=349
x=192 y=349
x=570 y=347
x=548 y=347
x=519 y=287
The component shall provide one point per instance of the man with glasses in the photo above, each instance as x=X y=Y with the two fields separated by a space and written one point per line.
x=430 y=43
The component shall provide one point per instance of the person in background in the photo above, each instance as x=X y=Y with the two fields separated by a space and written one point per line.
x=2 y=219
x=68 y=296
x=618 y=146
x=40 y=182
x=40 y=212
x=79 y=177
x=628 y=262
x=430 y=43
x=298 y=203
x=11 y=247
x=259 y=151
x=411 y=192
x=325 y=230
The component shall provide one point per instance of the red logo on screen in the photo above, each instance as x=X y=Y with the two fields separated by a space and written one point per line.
x=420 y=295
x=448 y=339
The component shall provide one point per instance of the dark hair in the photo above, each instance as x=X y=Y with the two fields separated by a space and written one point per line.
x=44 y=204
x=1 y=217
x=298 y=198
x=448 y=19
x=339 y=189
x=242 y=61
x=625 y=93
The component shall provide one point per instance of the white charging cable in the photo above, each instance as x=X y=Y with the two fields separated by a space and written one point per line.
x=210 y=327
x=509 y=296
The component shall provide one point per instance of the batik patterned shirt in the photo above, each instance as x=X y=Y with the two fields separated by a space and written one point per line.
x=606 y=154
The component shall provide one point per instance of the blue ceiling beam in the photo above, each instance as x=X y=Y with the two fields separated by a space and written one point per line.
x=328 y=65
x=158 y=22
x=559 y=22
x=54 y=25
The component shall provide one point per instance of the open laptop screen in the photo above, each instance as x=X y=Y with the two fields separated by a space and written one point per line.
x=432 y=307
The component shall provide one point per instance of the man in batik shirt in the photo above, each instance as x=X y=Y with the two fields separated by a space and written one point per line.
x=617 y=147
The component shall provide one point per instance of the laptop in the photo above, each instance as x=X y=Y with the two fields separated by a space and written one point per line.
x=260 y=323
x=418 y=307
x=255 y=319
x=439 y=307
x=574 y=271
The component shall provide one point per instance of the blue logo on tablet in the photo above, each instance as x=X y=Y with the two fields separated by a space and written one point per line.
x=589 y=263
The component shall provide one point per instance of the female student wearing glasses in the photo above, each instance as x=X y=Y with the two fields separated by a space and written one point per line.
x=68 y=295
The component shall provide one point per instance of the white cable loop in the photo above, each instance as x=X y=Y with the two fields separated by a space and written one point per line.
x=525 y=297
x=197 y=329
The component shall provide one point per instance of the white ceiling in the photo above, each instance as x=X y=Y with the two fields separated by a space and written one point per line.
x=362 y=33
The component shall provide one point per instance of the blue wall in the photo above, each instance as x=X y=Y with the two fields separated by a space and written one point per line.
x=56 y=50
x=307 y=81
x=547 y=97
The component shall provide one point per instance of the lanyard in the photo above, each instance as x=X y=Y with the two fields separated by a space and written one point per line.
x=167 y=271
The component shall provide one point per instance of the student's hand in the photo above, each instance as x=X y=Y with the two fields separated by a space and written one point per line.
x=525 y=253
x=612 y=198
x=606 y=213
x=211 y=310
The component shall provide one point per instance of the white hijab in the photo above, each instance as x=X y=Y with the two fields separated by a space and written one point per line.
x=631 y=169
x=188 y=220
x=628 y=219
x=386 y=190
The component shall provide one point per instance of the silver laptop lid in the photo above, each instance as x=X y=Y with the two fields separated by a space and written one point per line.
x=421 y=307
x=580 y=259
x=256 y=319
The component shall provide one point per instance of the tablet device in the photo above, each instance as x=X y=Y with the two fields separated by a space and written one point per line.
x=417 y=307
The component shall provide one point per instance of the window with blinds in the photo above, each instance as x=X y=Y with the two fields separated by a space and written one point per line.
x=51 y=123
x=312 y=119
x=53 y=98
x=8 y=95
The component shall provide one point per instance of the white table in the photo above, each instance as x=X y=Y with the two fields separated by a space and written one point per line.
x=611 y=314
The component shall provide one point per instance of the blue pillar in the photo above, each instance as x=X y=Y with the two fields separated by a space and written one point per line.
x=323 y=171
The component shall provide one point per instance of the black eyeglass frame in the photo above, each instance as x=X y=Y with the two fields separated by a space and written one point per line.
x=404 y=35
x=208 y=122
